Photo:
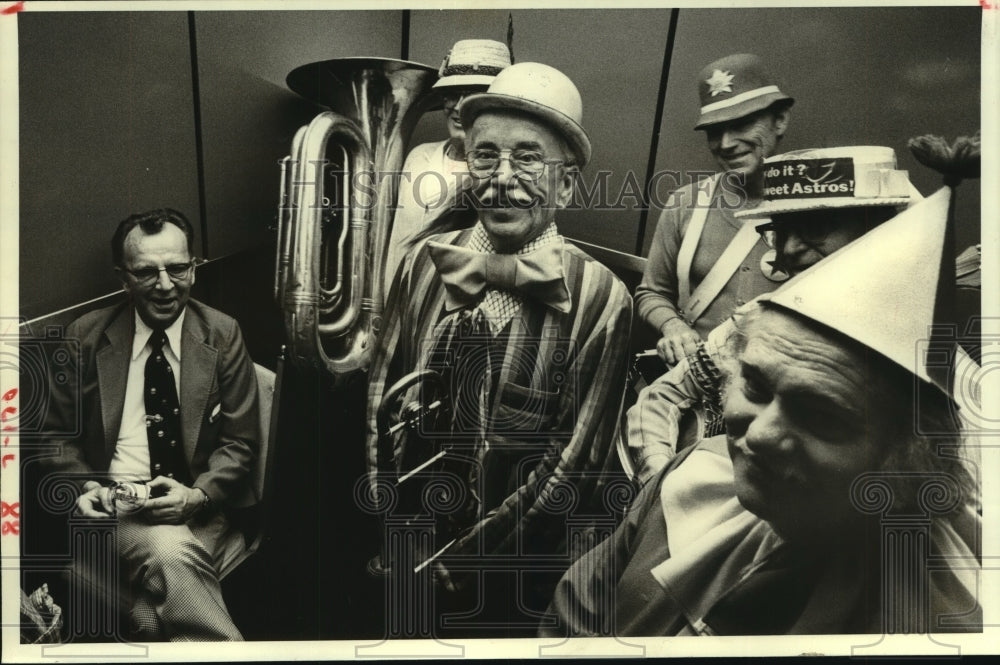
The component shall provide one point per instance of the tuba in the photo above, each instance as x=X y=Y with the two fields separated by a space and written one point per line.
x=333 y=240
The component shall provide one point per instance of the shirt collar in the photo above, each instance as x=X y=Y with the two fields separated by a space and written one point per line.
x=143 y=332
x=480 y=240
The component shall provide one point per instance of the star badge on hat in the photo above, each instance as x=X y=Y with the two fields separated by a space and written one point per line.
x=734 y=87
x=719 y=83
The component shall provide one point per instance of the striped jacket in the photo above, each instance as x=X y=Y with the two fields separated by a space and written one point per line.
x=550 y=420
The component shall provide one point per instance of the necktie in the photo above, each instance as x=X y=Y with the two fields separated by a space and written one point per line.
x=163 y=415
x=537 y=275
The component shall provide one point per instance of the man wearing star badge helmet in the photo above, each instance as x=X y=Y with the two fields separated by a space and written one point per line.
x=701 y=266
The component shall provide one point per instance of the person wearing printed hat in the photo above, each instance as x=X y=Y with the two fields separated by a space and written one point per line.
x=819 y=201
x=435 y=172
x=836 y=425
x=701 y=265
x=528 y=337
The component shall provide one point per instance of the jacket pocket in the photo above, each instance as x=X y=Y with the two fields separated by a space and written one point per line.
x=523 y=409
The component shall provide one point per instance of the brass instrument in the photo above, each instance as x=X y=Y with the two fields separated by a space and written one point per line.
x=326 y=279
x=423 y=403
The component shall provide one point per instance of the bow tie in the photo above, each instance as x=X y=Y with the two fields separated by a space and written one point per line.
x=537 y=275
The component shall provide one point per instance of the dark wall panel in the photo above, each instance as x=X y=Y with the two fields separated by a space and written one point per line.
x=108 y=107
x=860 y=76
x=249 y=115
x=106 y=130
x=614 y=58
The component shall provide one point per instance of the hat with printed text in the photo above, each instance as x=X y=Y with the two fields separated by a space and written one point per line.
x=845 y=177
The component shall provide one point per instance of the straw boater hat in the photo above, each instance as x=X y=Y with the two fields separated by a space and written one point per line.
x=540 y=91
x=472 y=62
x=847 y=177
x=734 y=87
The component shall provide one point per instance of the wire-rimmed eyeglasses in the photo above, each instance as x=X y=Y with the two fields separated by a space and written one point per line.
x=527 y=164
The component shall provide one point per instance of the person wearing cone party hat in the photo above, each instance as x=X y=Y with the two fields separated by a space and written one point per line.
x=529 y=336
x=777 y=527
x=701 y=266
x=815 y=202
x=435 y=172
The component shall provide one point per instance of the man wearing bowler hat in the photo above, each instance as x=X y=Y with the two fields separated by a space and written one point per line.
x=703 y=263
x=525 y=336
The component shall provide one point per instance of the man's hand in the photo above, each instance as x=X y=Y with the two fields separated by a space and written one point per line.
x=678 y=342
x=95 y=501
x=177 y=506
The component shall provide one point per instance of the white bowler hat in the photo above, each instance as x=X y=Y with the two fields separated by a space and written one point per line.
x=472 y=62
x=824 y=178
x=541 y=91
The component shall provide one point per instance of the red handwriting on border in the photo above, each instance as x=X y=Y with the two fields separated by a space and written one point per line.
x=12 y=526
x=13 y=9
x=10 y=511
x=985 y=4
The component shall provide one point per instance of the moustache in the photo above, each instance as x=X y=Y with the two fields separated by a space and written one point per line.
x=490 y=194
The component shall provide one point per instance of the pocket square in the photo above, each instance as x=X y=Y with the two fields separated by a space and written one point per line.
x=215 y=413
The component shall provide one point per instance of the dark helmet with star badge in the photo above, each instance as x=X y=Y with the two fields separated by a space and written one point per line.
x=734 y=87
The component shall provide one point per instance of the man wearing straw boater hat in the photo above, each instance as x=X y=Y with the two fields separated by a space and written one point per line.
x=837 y=426
x=815 y=203
x=701 y=264
x=527 y=337
x=434 y=173
x=819 y=201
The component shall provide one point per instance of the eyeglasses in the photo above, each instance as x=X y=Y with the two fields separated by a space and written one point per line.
x=810 y=232
x=453 y=99
x=175 y=271
x=527 y=164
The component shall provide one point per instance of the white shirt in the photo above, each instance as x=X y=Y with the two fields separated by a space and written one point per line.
x=131 y=458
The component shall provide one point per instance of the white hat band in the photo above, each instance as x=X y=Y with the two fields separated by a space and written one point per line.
x=740 y=98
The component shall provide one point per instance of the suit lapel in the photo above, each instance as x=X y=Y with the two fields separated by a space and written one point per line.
x=112 y=375
x=197 y=369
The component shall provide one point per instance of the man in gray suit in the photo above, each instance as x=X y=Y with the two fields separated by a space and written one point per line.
x=168 y=400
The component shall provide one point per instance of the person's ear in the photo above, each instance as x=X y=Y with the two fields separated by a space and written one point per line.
x=781 y=119
x=126 y=286
x=566 y=186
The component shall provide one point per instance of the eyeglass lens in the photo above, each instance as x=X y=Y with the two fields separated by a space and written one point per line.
x=484 y=163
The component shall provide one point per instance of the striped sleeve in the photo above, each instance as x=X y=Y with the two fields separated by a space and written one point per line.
x=398 y=346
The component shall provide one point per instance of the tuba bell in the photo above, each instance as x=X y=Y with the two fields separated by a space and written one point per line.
x=333 y=240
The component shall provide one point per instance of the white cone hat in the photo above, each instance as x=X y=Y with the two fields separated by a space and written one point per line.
x=880 y=290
